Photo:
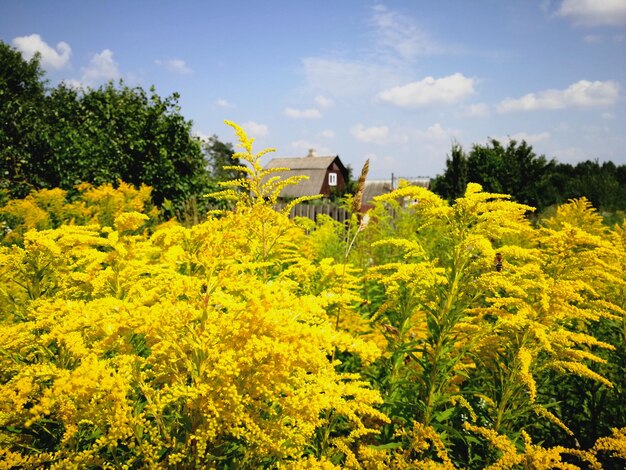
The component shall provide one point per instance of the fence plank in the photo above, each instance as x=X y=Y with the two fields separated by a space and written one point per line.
x=311 y=211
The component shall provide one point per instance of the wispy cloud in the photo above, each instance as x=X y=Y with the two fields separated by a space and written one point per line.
x=201 y=135
x=394 y=41
x=372 y=135
x=174 y=65
x=102 y=67
x=51 y=58
x=529 y=138
x=222 y=103
x=323 y=102
x=302 y=147
x=310 y=113
x=255 y=129
x=346 y=77
x=594 y=12
x=593 y=39
x=445 y=90
x=400 y=35
x=476 y=110
x=436 y=132
x=582 y=94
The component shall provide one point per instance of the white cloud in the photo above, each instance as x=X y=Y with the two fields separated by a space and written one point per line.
x=201 y=135
x=101 y=68
x=432 y=135
x=72 y=83
x=594 y=12
x=400 y=34
x=382 y=167
x=327 y=134
x=254 y=129
x=434 y=132
x=302 y=147
x=389 y=47
x=375 y=135
x=582 y=94
x=476 y=110
x=545 y=5
x=429 y=91
x=529 y=138
x=608 y=116
x=593 y=39
x=222 y=103
x=346 y=77
x=323 y=102
x=50 y=58
x=174 y=65
x=570 y=154
x=311 y=113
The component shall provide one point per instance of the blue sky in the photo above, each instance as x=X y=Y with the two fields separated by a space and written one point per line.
x=396 y=82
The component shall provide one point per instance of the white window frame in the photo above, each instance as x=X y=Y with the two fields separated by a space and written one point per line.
x=332 y=179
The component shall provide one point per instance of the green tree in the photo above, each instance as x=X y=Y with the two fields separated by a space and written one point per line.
x=22 y=96
x=62 y=136
x=219 y=156
x=514 y=169
x=117 y=132
x=598 y=183
x=452 y=183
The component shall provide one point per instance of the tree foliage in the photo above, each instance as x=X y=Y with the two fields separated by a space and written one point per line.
x=114 y=133
x=62 y=136
x=530 y=178
x=219 y=155
x=514 y=169
x=22 y=99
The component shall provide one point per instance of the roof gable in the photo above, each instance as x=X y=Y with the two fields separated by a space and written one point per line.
x=301 y=163
x=313 y=167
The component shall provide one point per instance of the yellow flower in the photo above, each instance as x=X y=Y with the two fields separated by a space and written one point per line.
x=130 y=221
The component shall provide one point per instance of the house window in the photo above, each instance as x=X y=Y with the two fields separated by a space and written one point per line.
x=332 y=179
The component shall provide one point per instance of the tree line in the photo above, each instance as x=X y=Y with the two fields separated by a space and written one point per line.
x=531 y=179
x=61 y=136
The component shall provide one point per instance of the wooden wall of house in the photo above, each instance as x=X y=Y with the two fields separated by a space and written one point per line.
x=341 y=180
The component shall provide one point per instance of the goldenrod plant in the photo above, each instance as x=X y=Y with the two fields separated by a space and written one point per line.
x=427 y=334
x=182 y=348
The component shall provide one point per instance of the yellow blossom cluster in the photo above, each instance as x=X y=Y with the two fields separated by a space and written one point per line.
x=436 y=335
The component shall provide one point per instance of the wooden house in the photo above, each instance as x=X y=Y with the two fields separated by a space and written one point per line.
x=326 y=175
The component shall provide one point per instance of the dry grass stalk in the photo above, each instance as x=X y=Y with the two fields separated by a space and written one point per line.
x=357 y=202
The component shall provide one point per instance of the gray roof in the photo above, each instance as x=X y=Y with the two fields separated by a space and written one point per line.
x=375 y=188
x=301 y=163
x=313 y=167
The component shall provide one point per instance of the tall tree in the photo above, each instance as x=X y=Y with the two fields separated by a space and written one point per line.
x=117 y=132
x=452 y=183
x=22 y=96
x=514 y=169
x=219 y=155
x=598 y=183
x=62 y=136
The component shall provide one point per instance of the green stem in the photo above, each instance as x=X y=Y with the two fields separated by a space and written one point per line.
x=445 y=324
x=343 y=274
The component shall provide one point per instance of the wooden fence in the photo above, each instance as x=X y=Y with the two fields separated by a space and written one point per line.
x=313 y=210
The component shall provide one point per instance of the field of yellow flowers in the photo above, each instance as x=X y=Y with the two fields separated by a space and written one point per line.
x=426 y=335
